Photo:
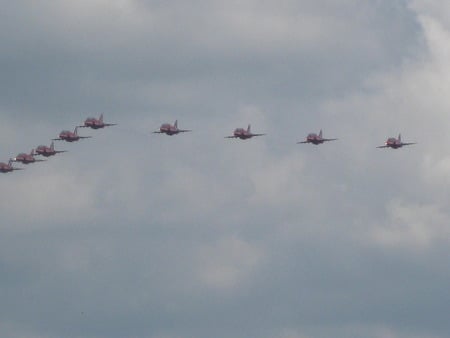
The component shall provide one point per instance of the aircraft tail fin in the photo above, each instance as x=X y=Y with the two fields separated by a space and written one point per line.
x=249 y=128
x=175 y=124
x=76 y=131
x=52 y=145
x=320 y=133
x=32 y=152
x=10 y=162
x=400 y=137
x=101 y=118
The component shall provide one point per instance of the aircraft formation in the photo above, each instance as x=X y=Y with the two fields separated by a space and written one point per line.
x=165 y=128
x=47 y=151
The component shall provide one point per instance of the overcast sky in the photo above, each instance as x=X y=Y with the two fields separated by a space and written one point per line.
x=133 y=234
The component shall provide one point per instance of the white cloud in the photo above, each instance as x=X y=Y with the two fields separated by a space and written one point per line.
x=413 y=226
x=227 y=263
x=279 y=182
x=39 y=200
x=412 y=100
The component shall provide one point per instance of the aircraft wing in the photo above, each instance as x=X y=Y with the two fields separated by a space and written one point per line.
x=383 y=146
x=57 y=139
x=157 y=132
x=408 y=143
x=302 y=142
x=60 y=151
x=230 y=136
x=329 y=139
x=258 y=135
x=110 y=124
x=184 y=130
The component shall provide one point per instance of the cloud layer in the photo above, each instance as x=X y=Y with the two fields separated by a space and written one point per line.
x=137 y=235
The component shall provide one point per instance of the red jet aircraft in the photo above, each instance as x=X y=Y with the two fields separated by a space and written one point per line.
x=395 y=143
x=26 y=158
x=92 y=122
x=316 y=139
x=68 y=136
x=7 y=167
x=168 y=129
x=243 y=134
x=48 y=151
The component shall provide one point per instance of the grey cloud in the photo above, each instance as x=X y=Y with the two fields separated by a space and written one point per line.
x=93 y=56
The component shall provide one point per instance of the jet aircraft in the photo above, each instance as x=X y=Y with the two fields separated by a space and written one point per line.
x=26 y=158
x=395 y=143
x=48 y=151
x=92 y=122
x=316 y=139
x=168 y=129
x=69 y=136
x=243 y=134
x=7 y=167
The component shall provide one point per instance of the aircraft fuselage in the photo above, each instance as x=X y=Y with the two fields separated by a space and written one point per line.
x=25 y=158
x=168 y=129
x=314 y=139
x=68 y=136
x=242 y=134
x=93 y=123
x=5 y=168
x=393 y=143
x=45 y=151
